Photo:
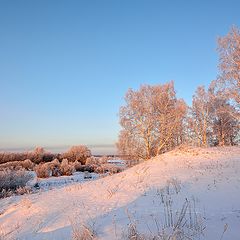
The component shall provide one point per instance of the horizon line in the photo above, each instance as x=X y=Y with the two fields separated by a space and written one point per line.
x=61 y=148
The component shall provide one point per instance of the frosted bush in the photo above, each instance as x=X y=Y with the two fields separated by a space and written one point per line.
x=43 y=170
x=11 y=180
x=91 y=161
x=79 y=153
x=55 y=162
x=108 y=168
x=27 y=164
x=55 y=168
x=10 y=165
x=66 y=168
x=103 y=160
x=77 y=165
x=23 y=190
x=17 y=165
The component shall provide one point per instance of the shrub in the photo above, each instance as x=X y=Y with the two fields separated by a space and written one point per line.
x=11 y=180
x=80 y=168
x=9 y=165
x=108 y=168
x=83 y=168
x=10 y=157
x=36 y=156
x=17 y=165
x=78 y=153
x=66 y=168
x=27 y=164
x=55 y=162
x=77 y=165
x=89 y=168
x=23 y=190
x=91 y=161
x=99 y=169
x=55 y=168
x=103 y=160
x=48 y=157
x=43 y=170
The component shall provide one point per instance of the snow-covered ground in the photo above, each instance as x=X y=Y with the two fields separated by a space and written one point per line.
x=195 y=191
x=62 y=181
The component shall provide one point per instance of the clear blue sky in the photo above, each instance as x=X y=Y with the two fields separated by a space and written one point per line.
x=66 y=65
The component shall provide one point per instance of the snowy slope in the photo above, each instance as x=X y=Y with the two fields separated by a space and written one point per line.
x=202 y=185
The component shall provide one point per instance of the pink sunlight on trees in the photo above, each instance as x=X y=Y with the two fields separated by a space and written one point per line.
x=229 y=65
x=154 y=121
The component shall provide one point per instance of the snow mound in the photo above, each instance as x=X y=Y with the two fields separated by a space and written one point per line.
x=195 y=191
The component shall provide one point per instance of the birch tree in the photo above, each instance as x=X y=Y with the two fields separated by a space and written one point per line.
x=212 y=118
x=229 y=65
x=225 y=126
x=151 y=120
x=200 y=112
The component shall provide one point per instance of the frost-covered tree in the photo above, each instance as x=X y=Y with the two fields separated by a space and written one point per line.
x=151 y=120
x=212 y=120
x=229 y=65
x=200 y=116
x=225 y=126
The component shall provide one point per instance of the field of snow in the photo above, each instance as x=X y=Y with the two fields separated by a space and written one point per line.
x=63 y=181
x=192 y=193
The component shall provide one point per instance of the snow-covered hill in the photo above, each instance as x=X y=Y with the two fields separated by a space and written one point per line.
x=189 y=192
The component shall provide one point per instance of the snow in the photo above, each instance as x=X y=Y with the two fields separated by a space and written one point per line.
x=62 y=181
x=150 y=196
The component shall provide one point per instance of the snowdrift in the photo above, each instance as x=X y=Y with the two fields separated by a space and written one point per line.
x=192 y=192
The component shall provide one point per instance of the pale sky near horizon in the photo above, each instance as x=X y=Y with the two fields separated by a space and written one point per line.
x=66 y=65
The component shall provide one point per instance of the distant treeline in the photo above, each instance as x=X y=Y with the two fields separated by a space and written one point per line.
x=39 y=155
